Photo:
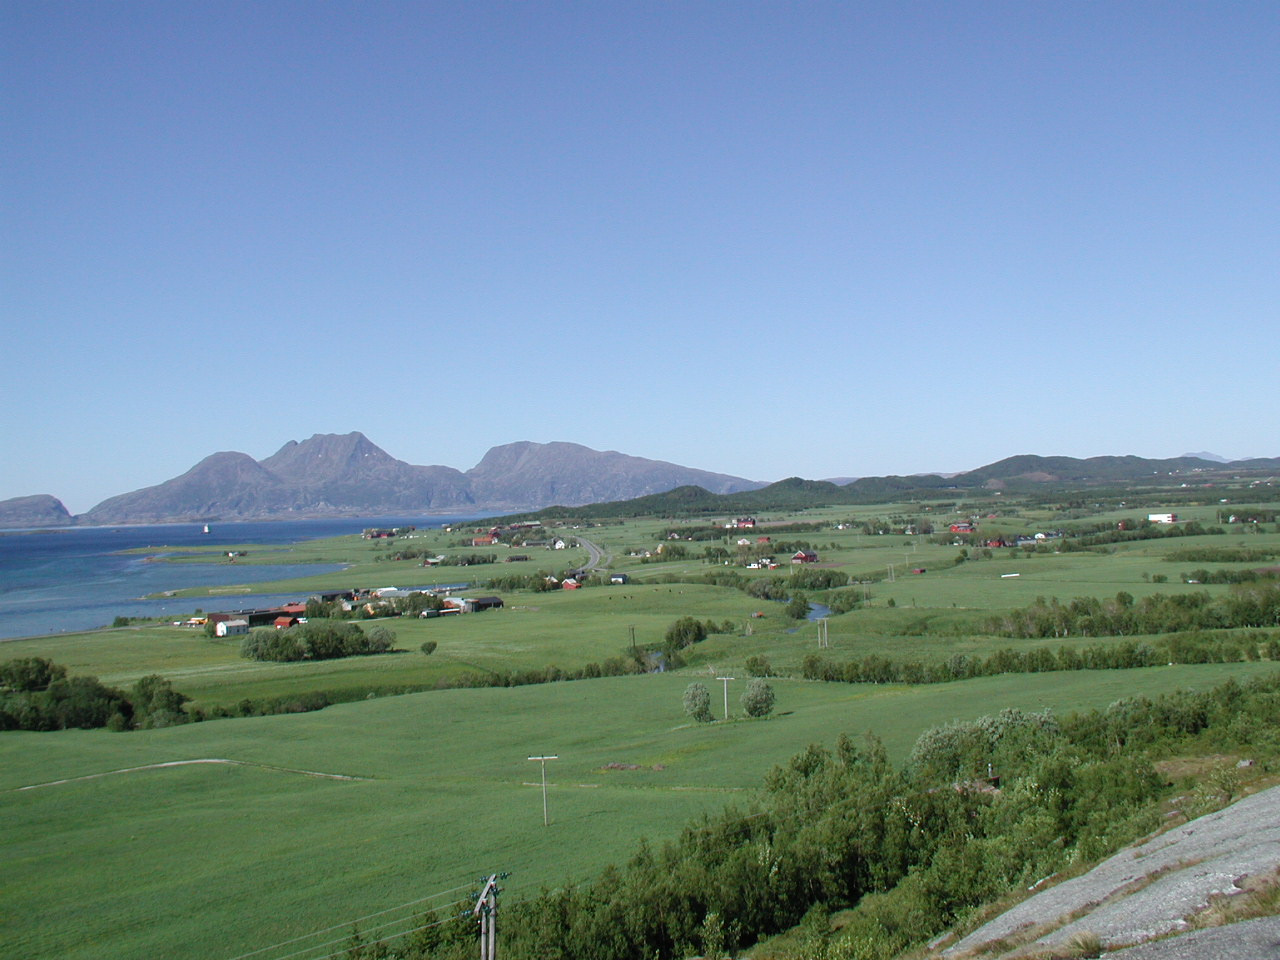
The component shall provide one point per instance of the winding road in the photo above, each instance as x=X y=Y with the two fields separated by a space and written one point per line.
x=595 y=555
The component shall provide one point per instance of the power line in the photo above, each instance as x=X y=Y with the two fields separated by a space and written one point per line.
x=435 y=896
x=371 y=943
x=337 y=926
x=352 y=923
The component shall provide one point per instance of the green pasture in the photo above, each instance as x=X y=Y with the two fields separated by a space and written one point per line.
x=214 y=859
x=365 y=563
x=534 y=630
x=936 y=614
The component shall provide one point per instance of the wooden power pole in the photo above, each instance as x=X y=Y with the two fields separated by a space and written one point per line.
x=486 y=913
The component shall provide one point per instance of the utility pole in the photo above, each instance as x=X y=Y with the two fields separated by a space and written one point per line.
x=544 y=760
x=823 y=642
x=486 y=914
x=726 y=695
x=890 y=573
x=632 y=628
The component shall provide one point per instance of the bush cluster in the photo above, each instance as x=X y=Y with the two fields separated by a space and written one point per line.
x=36 y=694
x=315 y=640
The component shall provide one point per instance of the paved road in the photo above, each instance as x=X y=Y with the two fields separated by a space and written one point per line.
x=594 y=555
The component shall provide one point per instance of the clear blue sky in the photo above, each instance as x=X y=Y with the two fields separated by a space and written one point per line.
x=767 y=239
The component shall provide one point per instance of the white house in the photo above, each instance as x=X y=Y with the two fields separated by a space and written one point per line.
x=231 y=628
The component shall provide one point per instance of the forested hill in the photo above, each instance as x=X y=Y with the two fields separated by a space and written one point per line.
x=1021 y=474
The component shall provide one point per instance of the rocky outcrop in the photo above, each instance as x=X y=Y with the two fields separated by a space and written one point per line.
x=1148 y=890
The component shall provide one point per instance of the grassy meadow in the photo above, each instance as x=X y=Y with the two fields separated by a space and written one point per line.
x=210 y=860
x=217 y=839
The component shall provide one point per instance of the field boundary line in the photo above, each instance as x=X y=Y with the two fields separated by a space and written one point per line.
x=183 y=763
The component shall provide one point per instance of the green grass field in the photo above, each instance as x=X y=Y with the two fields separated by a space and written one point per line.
x=213 y=860
x=216 y=859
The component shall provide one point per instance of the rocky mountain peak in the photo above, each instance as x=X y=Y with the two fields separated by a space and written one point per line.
x=326 y=457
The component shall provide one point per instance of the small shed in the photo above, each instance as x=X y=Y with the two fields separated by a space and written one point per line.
x=619 y=578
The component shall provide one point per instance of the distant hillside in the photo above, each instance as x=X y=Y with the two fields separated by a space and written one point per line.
x=348 y=475
x=1091 y=470
x=40 y=510
x=520 y=474
x=1021 y=473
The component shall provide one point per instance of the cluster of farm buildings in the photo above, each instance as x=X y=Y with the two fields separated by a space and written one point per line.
x=371 y=602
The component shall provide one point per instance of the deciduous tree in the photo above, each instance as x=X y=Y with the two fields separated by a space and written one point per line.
x=697 y=702
x=758 y=698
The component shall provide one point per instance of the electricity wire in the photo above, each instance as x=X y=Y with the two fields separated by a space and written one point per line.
x=337 y=926
x=389 y=923
x=372 y=943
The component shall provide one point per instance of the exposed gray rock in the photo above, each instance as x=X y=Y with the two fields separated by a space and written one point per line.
x=1147 y=890
x=1249 y=940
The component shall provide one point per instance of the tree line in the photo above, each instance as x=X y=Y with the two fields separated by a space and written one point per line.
x=1224 y=575
x=1254 y=604
x=1098 y=535
x=1188 y=648
x=1220 y=555
x=37 y=694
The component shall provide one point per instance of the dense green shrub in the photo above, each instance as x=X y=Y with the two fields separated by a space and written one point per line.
x=758 y=699
x=684 y=632
x=315 y=640
x=36 y=694
x=697 y=702
x=1255 y=604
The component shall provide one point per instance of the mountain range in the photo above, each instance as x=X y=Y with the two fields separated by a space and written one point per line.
x=348 y=475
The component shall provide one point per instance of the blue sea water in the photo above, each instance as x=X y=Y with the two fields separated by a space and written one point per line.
x=53 y=581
